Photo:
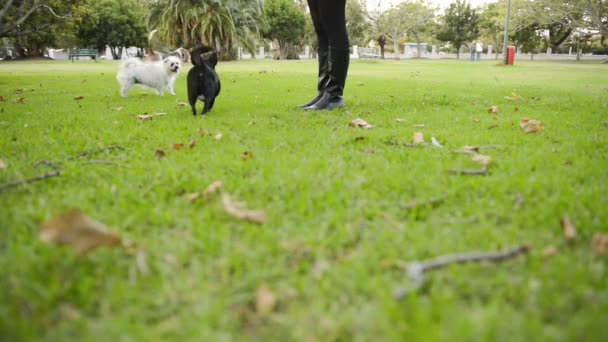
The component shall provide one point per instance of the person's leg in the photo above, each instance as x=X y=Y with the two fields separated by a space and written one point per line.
x=332 y=18
x=322 y=51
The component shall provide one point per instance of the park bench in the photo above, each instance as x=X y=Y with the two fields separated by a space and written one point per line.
x=368 y=53
x=82 y=53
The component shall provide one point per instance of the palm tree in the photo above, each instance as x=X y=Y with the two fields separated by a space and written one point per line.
x=218 y=23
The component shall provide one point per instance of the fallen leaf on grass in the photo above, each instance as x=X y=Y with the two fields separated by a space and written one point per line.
x=19 y=100
x=400 y=120
x=192 y=143
x=514 y=96
x=149 y=116
x=18 y=91
x=600 y=243
x=247 y=155
x=482 y=159
x=549 y=251
x=70 y=312
x=435 y=142
x=238 y=210
x=78 y=231
x=159 y=154
x=2 y=99
x=493 y=110
x=2 y=165
x=79 y=97
x=418 y=138
x=265 y=301
x=569 y=230
x=530 y=125
x=210 y=190
x=218 y=136
x=360 y=123
x=181 y=104
x=178 y=146
x=117 y=109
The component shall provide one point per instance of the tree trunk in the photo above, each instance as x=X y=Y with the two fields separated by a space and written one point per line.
x=417 y=45
x=396 y=50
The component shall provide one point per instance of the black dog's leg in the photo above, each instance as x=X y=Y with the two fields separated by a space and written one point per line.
x=192 y=100
x=207 y=107
x=211 y=102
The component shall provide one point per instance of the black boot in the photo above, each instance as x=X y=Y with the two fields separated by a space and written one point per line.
x=323 y=57
x=334 y=89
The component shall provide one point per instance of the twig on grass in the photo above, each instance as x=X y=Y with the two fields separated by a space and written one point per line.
x=481 y=172
x=103 y=162
x=29 y=180
x=109 y=148
x=416 y=270
x=47 y=163
x=430 y=201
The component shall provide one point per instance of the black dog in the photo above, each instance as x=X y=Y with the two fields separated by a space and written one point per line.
x=203 y=81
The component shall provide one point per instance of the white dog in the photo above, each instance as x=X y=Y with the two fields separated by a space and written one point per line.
x=159 y=75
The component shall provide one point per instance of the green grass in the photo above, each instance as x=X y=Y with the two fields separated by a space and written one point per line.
x=334 y=197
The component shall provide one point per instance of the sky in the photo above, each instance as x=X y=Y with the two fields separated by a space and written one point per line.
x=371 y=4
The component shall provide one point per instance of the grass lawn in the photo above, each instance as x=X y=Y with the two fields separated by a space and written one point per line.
x=340 y=229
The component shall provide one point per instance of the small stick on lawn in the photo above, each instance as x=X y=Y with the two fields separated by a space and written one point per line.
x=481 y=172
x=417 y=269
x=430 y=201
x=47 y=163
x=103 y=162
x=109 y=148
x=29 y=180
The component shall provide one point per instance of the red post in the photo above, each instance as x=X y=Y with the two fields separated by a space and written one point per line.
x=510 y=55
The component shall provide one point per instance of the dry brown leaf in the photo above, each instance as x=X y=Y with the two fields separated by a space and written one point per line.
x=142 y=262
x=2 y=165
x=265 y=301
x=159 y=154
x=149 y=116
x=181 y=104
x=238 y=210
x=2 y=99
x=218 y=136
x=78 y=231
x=178 y=146
x=569 y=230
x=79 y=97
x=210 y=190
x=600 y=243
x=549 y=251
x=530 y=125
x=493 y=110
x=360 y=123
x=70 y=312
x=213 y=188
x=192 y=143
x=418 y=138
x=203 y=131
x=247 y=155
x=19 y=100
x=18 y=91
x=481 y=159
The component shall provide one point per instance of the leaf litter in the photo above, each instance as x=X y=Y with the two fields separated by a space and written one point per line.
x=78 y=231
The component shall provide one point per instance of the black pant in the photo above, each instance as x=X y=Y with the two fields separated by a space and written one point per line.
x=329 y=20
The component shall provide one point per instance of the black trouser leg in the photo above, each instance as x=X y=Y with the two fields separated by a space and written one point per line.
x=329 y=20
x=323 y=57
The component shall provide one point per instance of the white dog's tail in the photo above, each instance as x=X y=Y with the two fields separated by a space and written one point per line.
x=130 y=63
